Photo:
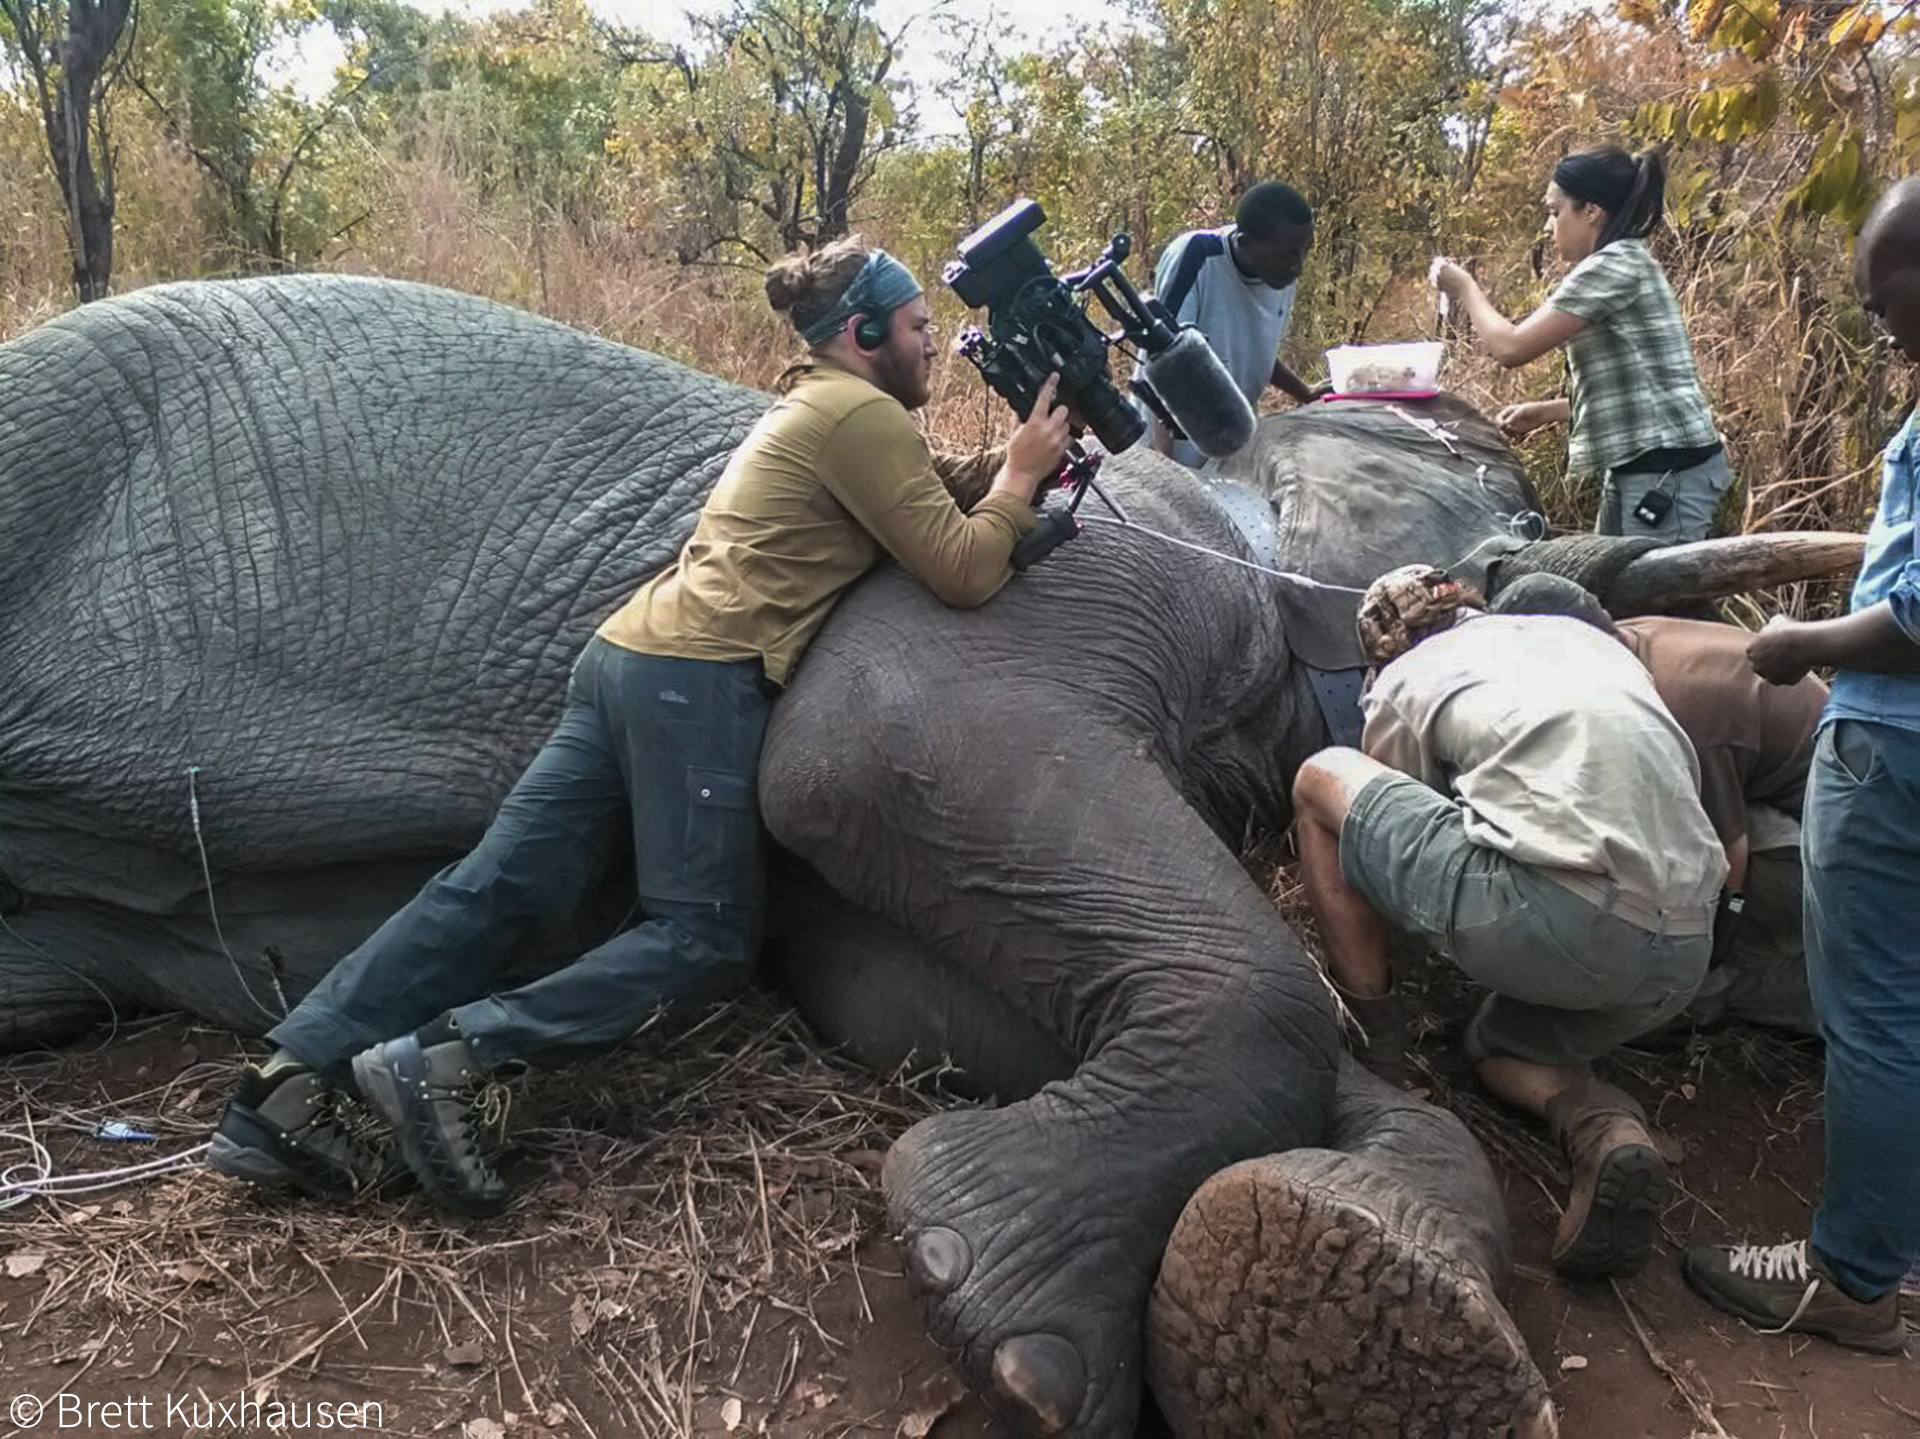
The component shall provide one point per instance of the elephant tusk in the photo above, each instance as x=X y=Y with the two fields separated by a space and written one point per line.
x=1680 y=575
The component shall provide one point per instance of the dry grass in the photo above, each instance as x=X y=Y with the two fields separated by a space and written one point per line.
x=1441 y=1000
x=678 y=1200
x=673 y=1200
x=1804 y=404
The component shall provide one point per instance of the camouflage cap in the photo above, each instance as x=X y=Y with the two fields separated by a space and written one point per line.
x=1404 y=606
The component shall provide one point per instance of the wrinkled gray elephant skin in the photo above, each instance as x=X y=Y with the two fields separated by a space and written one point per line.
x=295 y=569
x=332 y=544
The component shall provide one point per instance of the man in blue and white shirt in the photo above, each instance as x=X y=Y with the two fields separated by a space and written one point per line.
x=1236 y=285
x=1860 y=845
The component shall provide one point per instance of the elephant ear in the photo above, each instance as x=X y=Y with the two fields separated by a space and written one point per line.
x=1318 y=621
x=1357 y=488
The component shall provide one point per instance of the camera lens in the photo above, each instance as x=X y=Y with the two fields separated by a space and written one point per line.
x=1110 y=415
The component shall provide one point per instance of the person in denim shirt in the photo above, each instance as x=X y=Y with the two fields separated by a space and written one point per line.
x=1861 y=847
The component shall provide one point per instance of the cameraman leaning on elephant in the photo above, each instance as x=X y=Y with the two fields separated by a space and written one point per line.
x=662 y=732
x=1638 y=418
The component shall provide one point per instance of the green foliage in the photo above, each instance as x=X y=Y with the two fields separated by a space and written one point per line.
x=1817 y=68
x=535 y=102
x=266 y=153
x=762 y=135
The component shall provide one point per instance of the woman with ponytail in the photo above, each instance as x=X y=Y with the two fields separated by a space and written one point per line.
x=1638 y=418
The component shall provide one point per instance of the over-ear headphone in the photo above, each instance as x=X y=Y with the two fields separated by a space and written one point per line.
x=870 y=333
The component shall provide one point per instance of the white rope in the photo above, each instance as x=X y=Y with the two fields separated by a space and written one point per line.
x=113 y=1012
x=1522 y=525
x=1139 y=528
x=34 y=1176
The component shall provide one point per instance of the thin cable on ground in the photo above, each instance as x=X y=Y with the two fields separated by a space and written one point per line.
x=113 y=1012
x=34 y=1176
x=206 y=874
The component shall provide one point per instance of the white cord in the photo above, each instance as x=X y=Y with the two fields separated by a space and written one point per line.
x=1521 y=524
x=206 y=873
x=1217 y=554
x=1529 y=525
x=113 y=1013
x=34 y=1176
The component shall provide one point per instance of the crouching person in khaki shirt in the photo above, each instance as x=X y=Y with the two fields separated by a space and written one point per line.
x=1527 y=807
x=659 y=745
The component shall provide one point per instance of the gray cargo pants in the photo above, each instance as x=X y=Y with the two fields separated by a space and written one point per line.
x=670 y=747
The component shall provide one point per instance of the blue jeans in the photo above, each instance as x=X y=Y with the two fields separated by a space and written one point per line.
x=667 y=747
x=1860 y=844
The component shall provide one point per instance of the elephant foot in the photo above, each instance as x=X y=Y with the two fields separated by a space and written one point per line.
x=1313 y=1293
x=1025 y=1266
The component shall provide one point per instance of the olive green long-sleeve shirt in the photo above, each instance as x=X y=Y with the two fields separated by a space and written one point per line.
x=834 y=477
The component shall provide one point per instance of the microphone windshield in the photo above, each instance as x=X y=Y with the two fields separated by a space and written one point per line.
x=1201 y=396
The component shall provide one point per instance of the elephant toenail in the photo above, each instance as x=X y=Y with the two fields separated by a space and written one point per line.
x=939 y=1259
x=1043 y=1374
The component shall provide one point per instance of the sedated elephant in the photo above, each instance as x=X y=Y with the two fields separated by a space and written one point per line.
x=294 y=570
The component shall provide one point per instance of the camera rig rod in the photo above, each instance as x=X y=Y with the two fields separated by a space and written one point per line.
x=1059 y=523
x=1142 y=321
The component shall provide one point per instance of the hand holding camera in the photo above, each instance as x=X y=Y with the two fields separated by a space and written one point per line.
x=1040 y=348
x=1035 y=449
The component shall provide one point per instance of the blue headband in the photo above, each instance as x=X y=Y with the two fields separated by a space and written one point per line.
x=881 y=287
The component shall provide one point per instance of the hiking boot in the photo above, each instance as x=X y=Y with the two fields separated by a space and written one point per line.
x=1786 y=1289
x=1382 y=1043
x=443 y=1105
x=1620 y=1182
x=286 y=1128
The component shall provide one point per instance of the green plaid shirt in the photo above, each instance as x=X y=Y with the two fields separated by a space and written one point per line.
x=1634 y=384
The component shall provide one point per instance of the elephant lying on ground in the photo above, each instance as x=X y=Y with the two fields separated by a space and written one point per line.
x=294 y=572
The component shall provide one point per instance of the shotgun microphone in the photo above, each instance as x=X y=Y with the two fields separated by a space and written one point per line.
x=1200 y=396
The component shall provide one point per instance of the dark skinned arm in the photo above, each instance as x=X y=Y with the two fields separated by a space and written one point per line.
x=1869 y=641
x=1291 y=384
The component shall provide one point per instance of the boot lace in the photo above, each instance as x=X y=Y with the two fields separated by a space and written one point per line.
x=485 y=1103
x=480 y=1103
x=338 y=1119
x=1775 y=1263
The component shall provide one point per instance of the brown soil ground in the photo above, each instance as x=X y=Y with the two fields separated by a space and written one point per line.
x=698 y=1242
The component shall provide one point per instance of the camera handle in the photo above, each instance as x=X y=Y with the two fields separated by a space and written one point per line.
x=1061 y=522
x=1057 y=525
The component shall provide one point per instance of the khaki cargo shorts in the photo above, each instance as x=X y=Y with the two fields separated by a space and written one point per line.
x=1570 y=981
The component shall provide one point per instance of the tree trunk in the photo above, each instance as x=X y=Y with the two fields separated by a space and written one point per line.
x=89 y=204
x=843 y=169
x=72 y=78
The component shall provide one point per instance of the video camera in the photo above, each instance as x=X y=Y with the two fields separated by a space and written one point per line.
x=1037 y=325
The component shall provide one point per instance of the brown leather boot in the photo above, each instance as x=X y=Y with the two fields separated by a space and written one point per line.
x=1383 y=1019
x=1620 y=1182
